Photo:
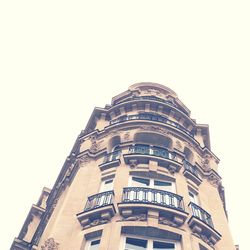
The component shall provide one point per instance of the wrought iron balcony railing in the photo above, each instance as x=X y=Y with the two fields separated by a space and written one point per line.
x=99 y=200
x=154 y=98
x=149 y=150
x=189 y=167
x=151 y=117
x=112 y=156
x=152 y=196
x=201 y=214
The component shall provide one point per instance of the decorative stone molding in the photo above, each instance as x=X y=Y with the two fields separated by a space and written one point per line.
x=172 y=169
x=85 y=159
x=178 y=145
x=69 y=170
x=214 y=180
x=166 y=221
x=205 y=163
x=50 y=244
x=96 y=145
x=154 y=129
x=114 y=133
x=96 y=222
x=139 y=217
x=210 y=241
x=133 y=163
x=126 y=136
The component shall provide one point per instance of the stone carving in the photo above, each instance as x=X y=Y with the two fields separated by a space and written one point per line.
x=139 y=217
x=50 y=244
x=154 y=129
x=166 y=221
x=178 y=145
x=126 y=136
x=205 y=163
x=132 y=163
x=205 y=239
x=214 y=180
x=96 y=222
x=69 y=170
x=95 y=145
x=84 y=160
x=55 y=202
x=171 y=169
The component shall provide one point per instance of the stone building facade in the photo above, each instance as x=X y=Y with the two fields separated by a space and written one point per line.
x=140 y=176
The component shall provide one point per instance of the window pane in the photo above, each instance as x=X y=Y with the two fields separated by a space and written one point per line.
x=107 y=186
x=163 y=246
x=140 y=182
x=193 y=197
x=94 y=245
x=166 y=186
x=135 y=244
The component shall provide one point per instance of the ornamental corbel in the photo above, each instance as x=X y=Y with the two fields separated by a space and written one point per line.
x=50 y=244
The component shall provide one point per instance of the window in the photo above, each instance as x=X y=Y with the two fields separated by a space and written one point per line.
x=152 y=183
x=93 y=244
x=107 y=185
x=135 y=244
x=193 y=197
x=202 y=247
x=149 y=195
x=132 y=243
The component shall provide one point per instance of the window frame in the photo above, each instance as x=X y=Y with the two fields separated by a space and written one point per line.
x=195 y=198
x=88 y=243
x=151 y=183
x=150 y=241
x=102 y=186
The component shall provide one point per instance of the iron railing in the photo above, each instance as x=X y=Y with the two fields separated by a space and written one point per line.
x=112 y=156
x=154 y=98
x=201 y=214
x=152 y=150
x=151 y=117
x=99 y=200
x=189 y=167
x=152 y=196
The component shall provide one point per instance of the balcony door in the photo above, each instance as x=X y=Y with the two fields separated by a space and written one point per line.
x=132 y=243
x=149 y=190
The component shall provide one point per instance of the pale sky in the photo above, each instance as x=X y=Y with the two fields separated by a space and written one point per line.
x=60 y=59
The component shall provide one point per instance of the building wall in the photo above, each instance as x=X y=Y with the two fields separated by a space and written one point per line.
x=70 y=227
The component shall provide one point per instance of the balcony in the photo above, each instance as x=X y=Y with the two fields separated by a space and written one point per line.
x=111 y=160
x=168 y=204
x=201 y=223
x=98 y=209
x=144 y=153
x=154 y=98
x=191 y=172
x=151 y=117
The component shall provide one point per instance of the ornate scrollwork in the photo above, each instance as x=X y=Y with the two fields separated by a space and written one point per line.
x=50 y=244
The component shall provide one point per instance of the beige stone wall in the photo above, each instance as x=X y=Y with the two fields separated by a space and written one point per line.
x=64 y=226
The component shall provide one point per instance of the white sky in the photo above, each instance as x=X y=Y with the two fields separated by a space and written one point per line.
x=59 y=59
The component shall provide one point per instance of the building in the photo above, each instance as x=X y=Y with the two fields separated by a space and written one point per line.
x=140 y=176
